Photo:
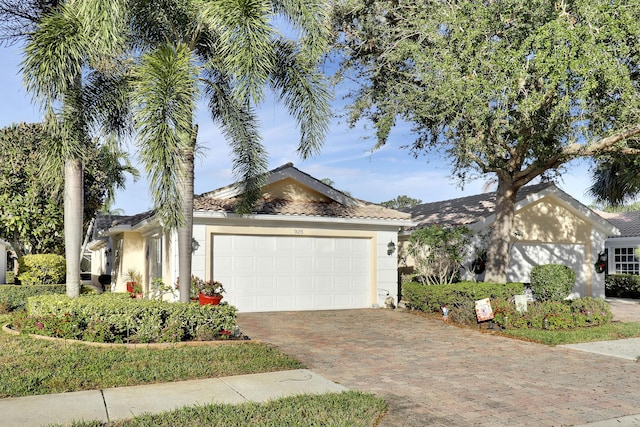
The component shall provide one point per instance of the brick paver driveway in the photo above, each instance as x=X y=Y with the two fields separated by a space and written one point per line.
x=436 y=374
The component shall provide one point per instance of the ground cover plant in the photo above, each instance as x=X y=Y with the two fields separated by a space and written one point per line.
x=610 y=331
x=332 y=409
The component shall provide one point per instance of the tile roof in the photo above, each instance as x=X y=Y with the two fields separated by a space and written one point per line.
x=465 y=210
x=105 y=222
x=627 y=222
x=302 y=208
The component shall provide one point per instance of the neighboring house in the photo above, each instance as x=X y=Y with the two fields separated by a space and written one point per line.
x=4 y=249
x=306 y=246
x=622 y=250
x=549 y=227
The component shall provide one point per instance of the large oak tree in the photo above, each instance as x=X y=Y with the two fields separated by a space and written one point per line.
x=504 y=87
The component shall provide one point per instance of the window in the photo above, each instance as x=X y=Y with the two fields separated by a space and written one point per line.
x=155 y=257
x=626 y=261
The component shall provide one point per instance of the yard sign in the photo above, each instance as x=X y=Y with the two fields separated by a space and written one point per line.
x=483 y=310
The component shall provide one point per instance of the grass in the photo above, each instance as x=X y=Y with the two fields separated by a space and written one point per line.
x=332 y=409
x=30 y=366
x=611 y=331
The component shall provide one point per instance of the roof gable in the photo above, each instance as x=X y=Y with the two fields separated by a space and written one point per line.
x=480 y=208
x=289 y=191
x=288 y=174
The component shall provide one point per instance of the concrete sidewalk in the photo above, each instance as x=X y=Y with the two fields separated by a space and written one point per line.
x=127 y=402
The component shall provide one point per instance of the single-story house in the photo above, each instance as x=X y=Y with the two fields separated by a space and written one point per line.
x=307 y=246
x=549 y=227
x=622 y=250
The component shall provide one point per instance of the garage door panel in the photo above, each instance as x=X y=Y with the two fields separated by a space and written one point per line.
x=275 y=273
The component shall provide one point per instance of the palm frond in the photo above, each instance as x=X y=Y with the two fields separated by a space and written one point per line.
x=305 y=93
x=239 y=126
x=165 y=92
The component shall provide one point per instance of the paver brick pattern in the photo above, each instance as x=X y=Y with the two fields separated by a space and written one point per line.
x=433 y=373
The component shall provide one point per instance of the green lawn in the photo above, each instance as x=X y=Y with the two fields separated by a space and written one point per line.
x=611 y=331
x=332 y=409
x=31 y=366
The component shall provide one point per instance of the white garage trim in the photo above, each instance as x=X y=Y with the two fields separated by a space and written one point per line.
x=280 y=273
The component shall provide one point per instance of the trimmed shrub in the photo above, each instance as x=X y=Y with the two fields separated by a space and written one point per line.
x=552 y=282
x=119 y=318
x=460 y=300
x=15 y=297
x=622 y=285
x=45 y=269
x=431 y=298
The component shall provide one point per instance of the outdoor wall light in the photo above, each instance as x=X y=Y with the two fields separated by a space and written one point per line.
x=391 y=248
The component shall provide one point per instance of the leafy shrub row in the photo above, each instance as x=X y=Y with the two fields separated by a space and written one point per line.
x=15 y=297
x=622 y=285
x=430 y=299
x=568 y=314
x=118 y=318
x=42 y=269
x=460 y=298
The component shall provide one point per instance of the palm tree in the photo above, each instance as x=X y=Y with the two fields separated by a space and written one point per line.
x=69 y=40
x=228 y=52
x=614 y=180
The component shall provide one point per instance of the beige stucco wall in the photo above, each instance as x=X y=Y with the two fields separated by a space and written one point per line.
x=133 y=246
x=549 y=221
x=291 y=189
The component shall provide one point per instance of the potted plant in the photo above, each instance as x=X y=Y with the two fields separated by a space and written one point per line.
x=134 y=284
x=194 y=288
x=210 y=292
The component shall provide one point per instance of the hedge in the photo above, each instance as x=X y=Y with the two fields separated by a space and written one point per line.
x=622 y=285
x=460 y=299
x=431 y=298
x=119 y=318
x=14 y=297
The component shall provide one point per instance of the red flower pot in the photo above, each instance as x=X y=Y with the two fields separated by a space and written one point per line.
x=212 y=300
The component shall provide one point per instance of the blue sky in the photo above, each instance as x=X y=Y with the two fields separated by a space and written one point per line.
x=346 y=157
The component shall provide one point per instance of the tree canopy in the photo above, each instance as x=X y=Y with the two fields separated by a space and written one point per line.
x=504 y=87
x=402 y=202
x=31 y=216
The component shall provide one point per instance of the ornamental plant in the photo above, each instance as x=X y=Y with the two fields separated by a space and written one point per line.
x=41 y=269
x=552 y=282
x=438 y=252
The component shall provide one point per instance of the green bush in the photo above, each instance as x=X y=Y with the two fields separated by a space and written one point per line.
x=460 y=299
x=43 y=269
x=622 y=285
x=119 y=318
x=552 y=282
x=431 y=298
x=15 y=297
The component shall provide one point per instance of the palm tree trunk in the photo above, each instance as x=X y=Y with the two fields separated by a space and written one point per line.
x=73 y=199
x=185 y=231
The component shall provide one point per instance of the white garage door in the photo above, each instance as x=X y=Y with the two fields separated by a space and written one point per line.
x=525 y=256
x=279 y=273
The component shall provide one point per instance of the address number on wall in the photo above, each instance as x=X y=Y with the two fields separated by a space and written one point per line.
x=298 y=231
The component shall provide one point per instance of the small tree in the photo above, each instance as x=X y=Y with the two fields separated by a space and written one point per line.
x=438 y=252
